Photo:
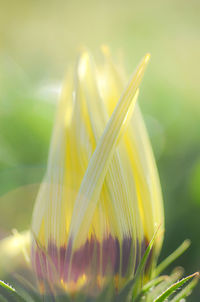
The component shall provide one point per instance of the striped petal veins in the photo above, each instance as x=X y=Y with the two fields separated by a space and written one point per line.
x=100 y=201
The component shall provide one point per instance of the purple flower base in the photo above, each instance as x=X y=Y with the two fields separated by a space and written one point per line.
x=94 y=258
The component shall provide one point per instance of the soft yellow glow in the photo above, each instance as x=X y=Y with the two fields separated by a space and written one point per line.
x=14 y=251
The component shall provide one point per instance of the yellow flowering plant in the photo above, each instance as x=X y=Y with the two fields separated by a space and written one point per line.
x=98 y=221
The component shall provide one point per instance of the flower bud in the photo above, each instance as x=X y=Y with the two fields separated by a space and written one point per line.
x=100 y=202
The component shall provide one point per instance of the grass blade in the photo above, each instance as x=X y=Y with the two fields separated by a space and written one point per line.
x=171 y=258
x=10 y=293
x=132 y=284
x=150 y=285
x=164 y=285
x=174 y=287
x=186 y=291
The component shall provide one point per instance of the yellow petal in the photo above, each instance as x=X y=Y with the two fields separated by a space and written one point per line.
x=93 y=179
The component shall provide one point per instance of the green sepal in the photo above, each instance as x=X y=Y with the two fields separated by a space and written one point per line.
x=169 y=291
x=9 y=293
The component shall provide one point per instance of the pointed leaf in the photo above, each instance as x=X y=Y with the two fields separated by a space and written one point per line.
x=173 y=288
x=131 y=286
x=185 y=292
x=171 y=258
x=10 y=293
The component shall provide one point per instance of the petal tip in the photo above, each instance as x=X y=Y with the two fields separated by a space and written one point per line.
x=82 y=66
x=147 y=58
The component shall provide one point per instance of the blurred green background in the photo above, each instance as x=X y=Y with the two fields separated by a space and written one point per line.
x=38 y=40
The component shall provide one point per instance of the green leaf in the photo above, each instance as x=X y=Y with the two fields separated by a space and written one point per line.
x=148 y=286
x=131 y=286
x=49 y=298
x=9 y=293
x=162 y=286
x=173 y=288
x=107 y=294
x=27 y=295
x=26 y=289
x=171 y=258
x=153 y=283
x=142 y=264
x=186 y=291
x=62 y=298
